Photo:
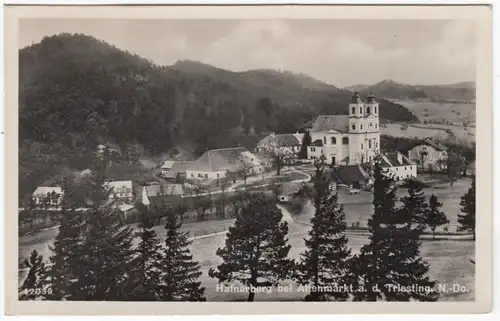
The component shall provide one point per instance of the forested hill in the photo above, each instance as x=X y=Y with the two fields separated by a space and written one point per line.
x=77 y=91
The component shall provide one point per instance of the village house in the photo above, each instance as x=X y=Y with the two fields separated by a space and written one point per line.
x=287 y=144
x=429 y=154
x=399 y=166
x=180 y=156
x=225 y=163
x=161 y=194
x=352 y=176
x=347 y=139
x=122 y=190
x=288 y=190
x=48 y=196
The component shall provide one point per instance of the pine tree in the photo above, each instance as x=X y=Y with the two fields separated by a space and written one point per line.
x=106 y=249
x=306 y=141
x=467 y=220
x=392 y=258
x=180 y=273
x=435 y=217
x=145 y=269
x=256 y=250
x=414 y=205
x=65 y=260
x=325 y=261
x=33 y=285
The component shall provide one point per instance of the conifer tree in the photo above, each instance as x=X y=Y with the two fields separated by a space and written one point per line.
x=180 y=273
x=256 y=250
x=392 y=259
x=33 y=285
x=65 y=260
x=145 y=268
x=325 y=261
x=414 y=205
x=306 y=141
x=106 y=248
x=467 y=220
x=435 y=217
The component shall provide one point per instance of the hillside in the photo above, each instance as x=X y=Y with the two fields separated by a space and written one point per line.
x=77 y=92
x=462 y=92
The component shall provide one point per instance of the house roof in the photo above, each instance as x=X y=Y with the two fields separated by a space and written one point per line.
x=281 y=140
x=181 y=157
x=325 y=123
x=392 y=159
x=290 y=188
x=179 y=168
x=437 y=145
x=317 y=143
x=350 y=174
x=226 y=159
x=164 y=190
x=117 y=186
x=44 y=190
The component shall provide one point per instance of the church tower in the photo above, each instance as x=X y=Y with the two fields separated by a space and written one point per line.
x=364 y=131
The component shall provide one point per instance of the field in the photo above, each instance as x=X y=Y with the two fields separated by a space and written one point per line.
x=457 y=114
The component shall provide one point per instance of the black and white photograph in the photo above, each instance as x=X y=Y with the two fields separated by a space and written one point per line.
x=247 y=160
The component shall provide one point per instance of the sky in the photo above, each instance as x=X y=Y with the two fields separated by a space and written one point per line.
x=339 y=52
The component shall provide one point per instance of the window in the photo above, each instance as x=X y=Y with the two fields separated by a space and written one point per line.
x=375 y=125
x=375 y=109
x=405 y=167
x=345 y=140
x=368 y=109
x=206 y=175
x=313 y=149
x=334 y=140
x=321 y=150
x=199 y=175
x=217 y=175
x=361 y=146
x=360 y=110
x=353 y=126
x=369 y=143
x=192 y=175
x=324 y=140
x=353 y=111
x=424 y=148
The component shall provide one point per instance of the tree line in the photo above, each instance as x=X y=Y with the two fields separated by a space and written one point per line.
x=94 y=257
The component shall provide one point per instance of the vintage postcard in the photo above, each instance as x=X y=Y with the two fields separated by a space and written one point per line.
x=306 y=159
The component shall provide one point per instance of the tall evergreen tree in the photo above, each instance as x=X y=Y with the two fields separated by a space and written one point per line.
x=391 y=261
x=325 y=261
x=435 y=217
x=180 y=273
x=106 y=248
x=414 y=207
x=467 y=220
x=66 y=258
x=145 y=269
x=256 y=250
x=33 y=285
x=306 y=141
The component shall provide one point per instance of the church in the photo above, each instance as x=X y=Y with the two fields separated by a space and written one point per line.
x=347 y=139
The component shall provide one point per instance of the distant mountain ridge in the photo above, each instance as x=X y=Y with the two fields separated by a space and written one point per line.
x=76 y=92
x=462 y=92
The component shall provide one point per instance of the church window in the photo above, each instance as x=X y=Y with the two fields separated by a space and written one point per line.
x=334 y=140
x=324 y=140
x=353 y=126
x=361 y=126
x=345 y=141
x=375 y=109
x=353 y=110
x=369 y=143
x=361 y=146
x=371 y=125
x=375 y=125
x=360 y=110
x=368 y=109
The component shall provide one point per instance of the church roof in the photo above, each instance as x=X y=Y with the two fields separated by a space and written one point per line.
x=325 y=123
x=282 y=140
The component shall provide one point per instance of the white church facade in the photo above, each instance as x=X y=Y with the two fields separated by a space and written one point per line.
x=347 y=139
